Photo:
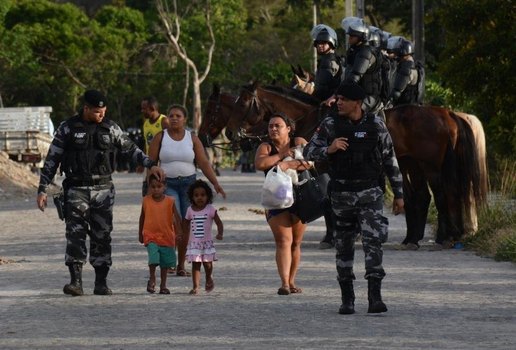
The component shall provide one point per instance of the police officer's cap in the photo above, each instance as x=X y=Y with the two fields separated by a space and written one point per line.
x=351 y=91
x=95 y=98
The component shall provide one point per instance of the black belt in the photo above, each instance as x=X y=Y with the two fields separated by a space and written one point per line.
x=89 y=182
x=353 y=186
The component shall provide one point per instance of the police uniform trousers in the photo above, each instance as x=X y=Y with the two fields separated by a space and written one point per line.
x=89 y=211
x=364 y=208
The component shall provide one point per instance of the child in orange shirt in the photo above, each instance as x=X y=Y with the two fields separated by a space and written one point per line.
x=159 y=224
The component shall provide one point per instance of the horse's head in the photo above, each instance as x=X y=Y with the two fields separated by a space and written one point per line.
x=218 y=110
x=248 y=112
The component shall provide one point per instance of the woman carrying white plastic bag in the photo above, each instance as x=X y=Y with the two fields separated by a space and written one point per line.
x=286 y=227
x=277 y=190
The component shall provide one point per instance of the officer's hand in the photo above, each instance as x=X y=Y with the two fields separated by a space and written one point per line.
x=395 y=94
x=330 y=101
x=158 y=172
x=340 y=143
x=42 y=201
x=397 y=206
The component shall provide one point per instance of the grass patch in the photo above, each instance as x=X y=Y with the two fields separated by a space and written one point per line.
x=496 y=236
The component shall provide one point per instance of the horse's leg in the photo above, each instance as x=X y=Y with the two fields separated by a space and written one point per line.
x=417 y=199
x=449 y=211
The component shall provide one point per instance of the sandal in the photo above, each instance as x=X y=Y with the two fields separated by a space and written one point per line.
x=151 y=287
x=183 y=273
x=294 y=290
x=172 y=270
x=164 y=291
x=193 y=292
x=210 y=286
x=283 y=291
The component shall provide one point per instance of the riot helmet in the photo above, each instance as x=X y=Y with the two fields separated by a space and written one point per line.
x=376 y=34
x=322 y=32
x=346 y=21
x=374 y=39
x=399 y=46
x=355 y=26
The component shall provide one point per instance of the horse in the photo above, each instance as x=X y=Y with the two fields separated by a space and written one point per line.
x=219 y=108
x=435 y=148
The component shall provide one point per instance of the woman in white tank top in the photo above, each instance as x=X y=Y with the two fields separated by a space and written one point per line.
x=179 y=151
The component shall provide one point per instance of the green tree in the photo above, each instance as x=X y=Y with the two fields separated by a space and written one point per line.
x=477 y=63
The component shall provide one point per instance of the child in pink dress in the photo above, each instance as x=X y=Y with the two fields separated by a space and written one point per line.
x=197 y=223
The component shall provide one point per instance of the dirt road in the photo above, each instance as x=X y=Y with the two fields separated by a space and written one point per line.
x=450 y=299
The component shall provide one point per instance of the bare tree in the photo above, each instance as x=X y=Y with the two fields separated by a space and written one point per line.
x=172 y=23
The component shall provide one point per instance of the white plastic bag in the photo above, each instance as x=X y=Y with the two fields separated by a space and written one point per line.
x=277 y=190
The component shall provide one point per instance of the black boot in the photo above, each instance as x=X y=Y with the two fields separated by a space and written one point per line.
x=101 y=287
x=348 y=298
x=376 y=305
x=74 y=288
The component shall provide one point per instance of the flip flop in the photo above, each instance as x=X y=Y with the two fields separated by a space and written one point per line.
x=193 y=292
x=183 y=273
x=210 y=286
x=294 y=290
x=164 y=291
x=283 y=291
x=151 y=287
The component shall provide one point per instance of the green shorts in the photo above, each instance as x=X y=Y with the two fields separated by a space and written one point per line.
x=165 y=257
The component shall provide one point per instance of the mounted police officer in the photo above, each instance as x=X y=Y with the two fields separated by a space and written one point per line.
x=84 y=148
x=359 y=150
x=408 y=86
x=329 y=73
x=363 y=63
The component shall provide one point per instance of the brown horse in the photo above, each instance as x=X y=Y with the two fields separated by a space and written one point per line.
x=435 y=147
x=219 y=108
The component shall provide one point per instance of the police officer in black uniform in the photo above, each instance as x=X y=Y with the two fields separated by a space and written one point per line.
x=359 y=150
x=84 y=148
x=329 y=73
x=405 y=89
x=363 y=64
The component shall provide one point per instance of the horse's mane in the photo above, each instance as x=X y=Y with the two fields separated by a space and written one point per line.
x=288 y=93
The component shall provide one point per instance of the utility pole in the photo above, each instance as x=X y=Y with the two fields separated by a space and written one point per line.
x=418 y=29
x=315 y=10
x=349 y=8
x=360 y=9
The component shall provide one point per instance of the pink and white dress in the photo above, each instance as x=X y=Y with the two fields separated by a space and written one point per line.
x=200 y=243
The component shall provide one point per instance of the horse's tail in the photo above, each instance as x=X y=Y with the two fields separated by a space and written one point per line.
x=471 y=170
x=482 y=187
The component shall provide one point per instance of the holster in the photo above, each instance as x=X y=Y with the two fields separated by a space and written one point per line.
x=59 y=202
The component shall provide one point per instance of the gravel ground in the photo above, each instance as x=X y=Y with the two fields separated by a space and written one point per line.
x=450 y=299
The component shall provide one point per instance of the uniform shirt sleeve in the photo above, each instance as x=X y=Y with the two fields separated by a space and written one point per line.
x=403 y=71
x=363 y=59
x=128 y=148
x=54 y=157
x=317 y=147
x=389 y=161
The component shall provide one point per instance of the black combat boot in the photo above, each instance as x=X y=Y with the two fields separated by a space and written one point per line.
x=101 y=287
x=74 y=288
x=348 y=298
x=376 y=305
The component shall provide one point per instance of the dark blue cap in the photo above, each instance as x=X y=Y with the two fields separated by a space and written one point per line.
x=351 y=91
x=95 y=98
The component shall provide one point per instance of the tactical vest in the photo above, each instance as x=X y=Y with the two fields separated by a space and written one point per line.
x=89 y=151
x=361 y=161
